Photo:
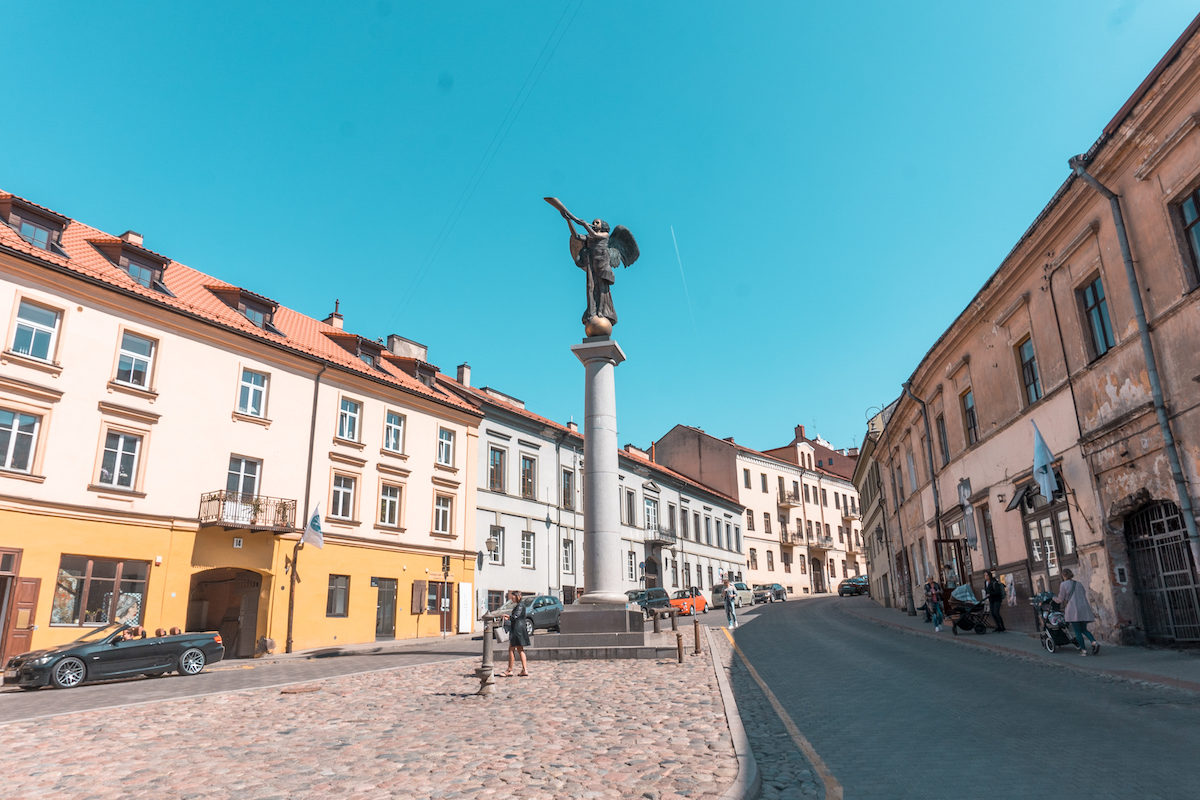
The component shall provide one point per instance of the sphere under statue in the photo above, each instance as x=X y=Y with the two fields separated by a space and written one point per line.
x=598 y=326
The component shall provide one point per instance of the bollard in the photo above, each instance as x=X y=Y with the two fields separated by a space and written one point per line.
x=696 y=625
x=679 y=646
x=655 y=615
x=486 y=671
x=674 y=619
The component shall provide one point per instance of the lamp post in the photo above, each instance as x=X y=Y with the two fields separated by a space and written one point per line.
x=487 y=669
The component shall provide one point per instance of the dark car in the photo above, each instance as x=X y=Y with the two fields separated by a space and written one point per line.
x=769 y=593
x=542 y=611
x=854 y=585
x=118 y=650
x=650 y=600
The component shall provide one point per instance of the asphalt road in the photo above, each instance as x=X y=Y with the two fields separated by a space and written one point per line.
x=894 y=715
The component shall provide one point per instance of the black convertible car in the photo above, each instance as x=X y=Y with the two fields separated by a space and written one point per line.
x=114 y=651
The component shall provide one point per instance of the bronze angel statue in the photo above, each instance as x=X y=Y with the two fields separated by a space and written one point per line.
x=598 y=252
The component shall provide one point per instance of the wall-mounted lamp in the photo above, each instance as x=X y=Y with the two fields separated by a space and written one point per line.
x=1000 y=497
x=158 y=561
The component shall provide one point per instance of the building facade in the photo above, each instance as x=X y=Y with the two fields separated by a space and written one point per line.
x=1088 y=331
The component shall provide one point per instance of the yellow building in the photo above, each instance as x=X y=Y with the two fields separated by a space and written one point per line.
x=217 y=421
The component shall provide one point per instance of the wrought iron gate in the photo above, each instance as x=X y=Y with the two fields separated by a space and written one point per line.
x=1164 y=574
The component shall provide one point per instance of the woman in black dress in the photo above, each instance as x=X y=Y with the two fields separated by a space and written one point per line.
x=518 y=636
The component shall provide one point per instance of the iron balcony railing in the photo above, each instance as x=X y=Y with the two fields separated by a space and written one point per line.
x=250 y=511
x=789 y=499
x=820 y=542
x=849 y=515
x=657 y=534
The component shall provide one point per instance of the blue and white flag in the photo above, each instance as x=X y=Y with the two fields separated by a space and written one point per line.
x=312 y=531
x=1043 y=469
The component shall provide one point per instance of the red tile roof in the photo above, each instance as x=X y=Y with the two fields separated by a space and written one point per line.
x=193 y=296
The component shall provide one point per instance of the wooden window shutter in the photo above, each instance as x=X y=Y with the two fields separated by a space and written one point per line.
x=419 y=588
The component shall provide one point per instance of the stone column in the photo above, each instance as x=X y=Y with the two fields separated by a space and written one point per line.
x=601 y=501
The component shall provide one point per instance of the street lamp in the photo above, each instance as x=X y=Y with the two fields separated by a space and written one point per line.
x=487 y=668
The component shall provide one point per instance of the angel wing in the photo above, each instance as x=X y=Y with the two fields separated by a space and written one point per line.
x=622 y=248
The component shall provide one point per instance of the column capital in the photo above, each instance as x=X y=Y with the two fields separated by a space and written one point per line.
x=591 y=349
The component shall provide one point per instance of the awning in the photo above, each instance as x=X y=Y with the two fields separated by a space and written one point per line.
x=1019 y=495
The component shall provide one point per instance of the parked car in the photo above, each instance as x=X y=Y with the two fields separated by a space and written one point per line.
x=761 y=594
x=773 y=592
x=649 y=600
x=745 y=595
x=856 y=584
x=689 y=601
x=542 y=611
x=118 y=650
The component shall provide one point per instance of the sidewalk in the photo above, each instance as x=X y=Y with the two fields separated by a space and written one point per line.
x=1167 y=667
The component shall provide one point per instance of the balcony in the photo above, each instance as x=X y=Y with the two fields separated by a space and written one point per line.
x=659 y=535
x=850 y=516
x=789 y=499
x=231 y=510
x=791 y=538
x=820 y=542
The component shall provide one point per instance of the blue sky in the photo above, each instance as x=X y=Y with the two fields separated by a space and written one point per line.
x=840 y=178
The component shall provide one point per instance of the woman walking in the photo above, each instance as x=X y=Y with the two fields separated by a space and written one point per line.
x=994 y=590
x=518 y=635
x=1076 y=611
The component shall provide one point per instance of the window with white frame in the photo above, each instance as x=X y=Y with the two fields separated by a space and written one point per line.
x=568 y=555
x=119 y=464
x=497 y=466
x=135 y=360
x=497 y=556
x=443 y=514
x=341 y=505
x=242 y=477
x=18 y=437
x=389 y=505
x=393 y=432
x=252 y=394
x=631 y=565
x=528 y=477
x=527 y=548
x=568 y=489
x=348 y=416
x=445 y=449
x=36 y=334
x=651 y=513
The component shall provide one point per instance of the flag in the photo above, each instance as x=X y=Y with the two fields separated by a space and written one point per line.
x=312 y=531
x=1043 y=470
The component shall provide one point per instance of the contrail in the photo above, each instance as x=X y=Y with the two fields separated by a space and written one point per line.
x=683 y=278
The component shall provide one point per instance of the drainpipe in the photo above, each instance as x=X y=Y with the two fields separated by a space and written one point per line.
x=937 y=504
x=887 y=534
x=1078 y=164
x=312 y=432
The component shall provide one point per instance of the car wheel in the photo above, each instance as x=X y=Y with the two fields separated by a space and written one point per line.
x=692 y=610
x=68 y=673
x=192 y=661
x=528 y=627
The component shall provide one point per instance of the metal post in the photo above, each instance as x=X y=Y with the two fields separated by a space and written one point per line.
x=696 y=630
x=654 y=615
x=679 y=646
x=674 y=620
x=487 y=669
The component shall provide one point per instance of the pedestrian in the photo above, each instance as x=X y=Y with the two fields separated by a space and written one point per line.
x=518 y=636
x=729 y=595
x=933 y=603
x=994 y=590
x=1076 y=611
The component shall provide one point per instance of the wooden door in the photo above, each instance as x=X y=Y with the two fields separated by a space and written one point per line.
x=21 y=613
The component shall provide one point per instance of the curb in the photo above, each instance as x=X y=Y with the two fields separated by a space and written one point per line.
x=748 y=783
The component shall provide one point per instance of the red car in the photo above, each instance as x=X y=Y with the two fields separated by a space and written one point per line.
x=689 y=601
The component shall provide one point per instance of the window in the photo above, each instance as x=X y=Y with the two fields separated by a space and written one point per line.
x=753 y=558
x=337 y=602
x=630 y=566
x=651 y=512
x=806 y=498
x=118 y=466
x=671 y=515
x=445 y=448
x=393 y=432
x=912 y=470
x=675 y=573
x=348 y=416
x=683 y=524
x=763 y=476
x=568 y=555
x=443 y=514
x=770 y=561
x=37 y=331
x=766 y=523
x=841 y=535
x=711 y=582
x=97 y=591
x=728 y=536
x=496 y=467
x=36 y=235
x=389 y=505
x=708 y=530
x=824 y=499
x=1050 y=537
x=495 y=599
x=568 y=489
x=970 y=421
x=1189 y=211
x=18 y=435
x=737 y=538
x=746 y=478
x=142 y=274
x=943 y=443
x=134 y=360
x=687 y=574
x=749 y=520
x=252 y=394
x=497 y=556
x=1095 y=311
x=528 y=477
x=342 y=504
x=630 y=500
x=242 y=478
x=696 y=524
x=1029 y=371
x=837 y=501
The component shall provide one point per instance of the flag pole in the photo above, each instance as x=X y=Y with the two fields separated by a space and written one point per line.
x=292 y=595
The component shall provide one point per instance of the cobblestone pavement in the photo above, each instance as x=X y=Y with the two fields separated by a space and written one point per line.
x=896 y=715
x=589 y=729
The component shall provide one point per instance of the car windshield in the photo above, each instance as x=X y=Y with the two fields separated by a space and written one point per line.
x=96 y=634
x=682 y=593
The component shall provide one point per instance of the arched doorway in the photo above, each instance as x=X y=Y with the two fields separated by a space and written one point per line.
x=226 y=600
x=1164 y=574
x=653 y=576
x=818 y=576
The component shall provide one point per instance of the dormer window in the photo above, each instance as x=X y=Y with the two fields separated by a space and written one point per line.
x=35 y=234
x=38 y=226
x=144 y=272
x=127 y=254
x=254 y=307
x=365 y=350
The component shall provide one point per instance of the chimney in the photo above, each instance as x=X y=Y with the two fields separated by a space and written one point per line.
x=799 y=433
x=334 y=319
x=407 y=348
x=133 y=237
x=464 y=374
x=573 y=426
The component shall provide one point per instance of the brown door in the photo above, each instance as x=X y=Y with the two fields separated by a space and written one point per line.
x=21 y=613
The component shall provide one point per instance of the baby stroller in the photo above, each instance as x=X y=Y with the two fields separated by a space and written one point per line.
x=969 y=612
x=1053 y=627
